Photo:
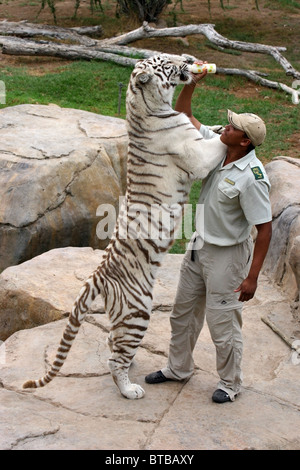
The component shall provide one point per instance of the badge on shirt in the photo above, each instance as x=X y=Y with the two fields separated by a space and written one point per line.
x=229 y=181
x=257 y=173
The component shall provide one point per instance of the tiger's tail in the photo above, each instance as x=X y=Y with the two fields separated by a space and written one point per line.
x=87 y=294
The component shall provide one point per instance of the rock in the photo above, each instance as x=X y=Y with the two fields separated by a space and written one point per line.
x=284 y=175
x=57 y=166
x=82 y=408
x=282 y=263
x=294 y=262
x=44 y=288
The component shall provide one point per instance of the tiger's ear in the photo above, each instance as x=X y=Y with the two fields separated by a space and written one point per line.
x=143 y=77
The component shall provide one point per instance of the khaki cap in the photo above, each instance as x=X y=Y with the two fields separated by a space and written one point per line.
x=251 y=124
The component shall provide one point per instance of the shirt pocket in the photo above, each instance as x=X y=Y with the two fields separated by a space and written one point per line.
x=227 y=191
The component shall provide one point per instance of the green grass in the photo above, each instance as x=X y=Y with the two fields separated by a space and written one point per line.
x=287 y=4
x=181 y=244
x=94 y=86
x=91 y=86
x=281 y=117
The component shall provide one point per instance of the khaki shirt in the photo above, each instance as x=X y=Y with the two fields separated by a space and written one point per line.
x=233 y=198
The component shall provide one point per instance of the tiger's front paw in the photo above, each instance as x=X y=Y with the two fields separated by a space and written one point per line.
x=134 y=392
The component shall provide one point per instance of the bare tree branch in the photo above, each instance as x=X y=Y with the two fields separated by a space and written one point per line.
x=211 y=34
x=115 y=49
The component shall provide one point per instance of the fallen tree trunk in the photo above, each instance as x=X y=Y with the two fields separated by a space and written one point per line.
x=23 y=29
x=80 y=46
x=16 y=46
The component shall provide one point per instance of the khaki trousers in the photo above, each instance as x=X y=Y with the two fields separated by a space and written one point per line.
x=206 y=288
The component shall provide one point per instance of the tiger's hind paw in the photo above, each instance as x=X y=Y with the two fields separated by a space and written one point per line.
x=133 y=392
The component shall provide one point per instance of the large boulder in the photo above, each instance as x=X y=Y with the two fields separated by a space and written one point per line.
x=282 y=263
x=283 y=258
x=56 y=167
x=44 y=288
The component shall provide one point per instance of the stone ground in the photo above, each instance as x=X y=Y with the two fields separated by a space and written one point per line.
x=83 y=410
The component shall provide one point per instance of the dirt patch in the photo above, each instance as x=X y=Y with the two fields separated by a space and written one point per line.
x=37 y=66
x=251 y=91
x=294 y=142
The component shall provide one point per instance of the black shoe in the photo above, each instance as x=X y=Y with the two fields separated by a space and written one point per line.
x=156 y=378
x=220 y=396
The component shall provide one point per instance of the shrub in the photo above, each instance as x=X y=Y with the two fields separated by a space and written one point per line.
x=144 y=10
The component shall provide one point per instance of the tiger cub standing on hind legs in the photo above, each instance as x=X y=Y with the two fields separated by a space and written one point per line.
x=166 y=154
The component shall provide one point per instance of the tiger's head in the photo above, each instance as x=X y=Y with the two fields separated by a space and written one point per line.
x=159 y=75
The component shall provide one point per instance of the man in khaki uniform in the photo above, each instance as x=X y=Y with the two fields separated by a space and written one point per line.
x=219 y=271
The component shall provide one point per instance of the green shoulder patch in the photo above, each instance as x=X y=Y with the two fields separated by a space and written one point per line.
x=257 y=173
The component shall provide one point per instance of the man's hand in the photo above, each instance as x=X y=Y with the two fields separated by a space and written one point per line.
x=247 y=289
x=198 y=76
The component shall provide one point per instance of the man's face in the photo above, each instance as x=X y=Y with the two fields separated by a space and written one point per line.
x=233 y=137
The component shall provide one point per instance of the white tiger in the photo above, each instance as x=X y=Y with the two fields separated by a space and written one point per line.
x=165 y=155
